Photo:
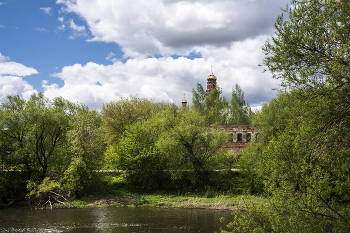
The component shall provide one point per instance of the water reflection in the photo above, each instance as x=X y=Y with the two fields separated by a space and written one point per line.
x=122 y=220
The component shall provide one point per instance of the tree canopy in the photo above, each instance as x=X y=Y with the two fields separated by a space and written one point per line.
x=117 y=115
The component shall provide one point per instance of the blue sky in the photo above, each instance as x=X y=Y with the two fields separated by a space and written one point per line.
x=94 y=52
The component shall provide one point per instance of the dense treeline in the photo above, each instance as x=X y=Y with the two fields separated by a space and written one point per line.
x=51 y=149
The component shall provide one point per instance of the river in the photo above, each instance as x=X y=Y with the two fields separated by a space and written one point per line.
x=111 y=219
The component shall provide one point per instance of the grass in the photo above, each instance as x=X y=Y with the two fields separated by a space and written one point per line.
x=224 y=193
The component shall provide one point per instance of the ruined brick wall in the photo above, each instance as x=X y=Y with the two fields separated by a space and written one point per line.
x=240 y=136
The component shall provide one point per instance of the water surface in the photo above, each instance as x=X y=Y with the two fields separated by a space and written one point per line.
x=111 y=219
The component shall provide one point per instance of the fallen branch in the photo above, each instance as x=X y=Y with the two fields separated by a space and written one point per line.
x=58 y=195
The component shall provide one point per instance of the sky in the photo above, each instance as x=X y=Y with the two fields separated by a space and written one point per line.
x=97 y=51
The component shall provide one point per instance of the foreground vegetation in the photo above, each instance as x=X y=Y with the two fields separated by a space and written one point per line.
x=302 y=152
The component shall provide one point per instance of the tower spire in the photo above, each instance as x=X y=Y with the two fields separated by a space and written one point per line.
x=184 y=102
x=211 y=82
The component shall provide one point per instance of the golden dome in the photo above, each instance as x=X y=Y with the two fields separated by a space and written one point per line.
x=184 y=100
x=211 y=76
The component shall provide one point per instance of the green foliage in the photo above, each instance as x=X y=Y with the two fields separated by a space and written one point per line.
x=239 y=112
x=227 y=159
x=76 y=178
x=189 y=146
x=217 y=110
x=198 y=97
x=33 y=133
x=40 y=137
x=137 y=154
x=215 y=107
x=86 y=138
x=44 y=193
x=119 y=114
x=301 y=160
x=311 y=47
x=175 y=142
x=86 y=145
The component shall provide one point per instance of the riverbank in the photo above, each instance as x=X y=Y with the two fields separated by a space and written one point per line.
x=221 y=202
x=189 y=201
x=226 y=192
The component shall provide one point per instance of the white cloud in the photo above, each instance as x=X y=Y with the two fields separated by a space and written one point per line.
x=78 y=31
x=14 y=85
x=111 y=57
x=226 y=34
x=165 y=78
x=146 y=28
x=11 y=81
x=62 y=26
x=257 y=108
x=2 y=26
x=40 y=29
x=13 y=68
x=4 y=58
x=47 y=10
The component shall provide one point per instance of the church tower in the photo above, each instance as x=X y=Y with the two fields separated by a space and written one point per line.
x=184 y=103
x=211 y=82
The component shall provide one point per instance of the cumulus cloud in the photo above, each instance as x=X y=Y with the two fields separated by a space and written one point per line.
x=11 y=81
x=14 y=85
x=13 y=68
x=47 y=10
x=225 y=34
x=146 y=28
x=165 y=78
x=40 y=29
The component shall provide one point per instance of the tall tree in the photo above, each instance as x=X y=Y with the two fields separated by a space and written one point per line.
x=136 y=150
x=119 y=114
x=198 y=97
x=86 y=146
x=37 y=131
x=311 y=48
x=239 y=112
x=217 y=110
x=190 y=146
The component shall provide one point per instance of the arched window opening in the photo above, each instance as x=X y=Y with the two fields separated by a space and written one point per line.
x=239 y=137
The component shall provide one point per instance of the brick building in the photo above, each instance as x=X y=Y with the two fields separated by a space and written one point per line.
x=240 y=135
